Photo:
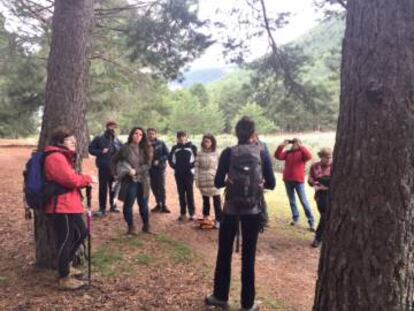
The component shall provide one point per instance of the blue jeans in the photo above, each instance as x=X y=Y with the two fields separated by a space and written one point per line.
x=291 y=186
x=135 y=191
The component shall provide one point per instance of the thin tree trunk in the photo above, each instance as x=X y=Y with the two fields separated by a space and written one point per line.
x=66 y=94
x=367 y=260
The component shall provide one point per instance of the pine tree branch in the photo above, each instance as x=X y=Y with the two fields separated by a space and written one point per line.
x=296 y=88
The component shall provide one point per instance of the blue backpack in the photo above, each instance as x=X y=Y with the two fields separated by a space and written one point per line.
x=37 y=190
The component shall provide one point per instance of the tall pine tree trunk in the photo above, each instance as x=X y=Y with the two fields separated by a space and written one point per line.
x=66 y=94
x=367 y=260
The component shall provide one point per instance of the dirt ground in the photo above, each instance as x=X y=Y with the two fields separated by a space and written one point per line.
x=170 y=270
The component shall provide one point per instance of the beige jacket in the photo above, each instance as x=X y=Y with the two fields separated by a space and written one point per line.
x=205 y=171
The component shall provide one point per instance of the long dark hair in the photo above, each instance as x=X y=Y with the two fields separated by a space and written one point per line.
x=213 y=141
x=143 y=144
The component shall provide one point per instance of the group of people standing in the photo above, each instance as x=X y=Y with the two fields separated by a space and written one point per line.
x=128 y=172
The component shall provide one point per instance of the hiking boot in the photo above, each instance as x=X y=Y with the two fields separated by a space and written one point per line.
x=165 y=209
x=99 y=214
x=182 y=218
x=213 y=301
x=75 y=272
x=146 y=228
x=312 y=228
x=69 y=283
x=132 y=230
x=255 y=307
x=156 y=209
x=316 y=243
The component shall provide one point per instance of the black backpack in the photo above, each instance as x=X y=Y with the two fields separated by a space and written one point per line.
x=245 y=178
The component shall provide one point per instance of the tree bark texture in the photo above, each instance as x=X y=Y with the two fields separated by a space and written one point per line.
x=367 y=260
x=66 y=93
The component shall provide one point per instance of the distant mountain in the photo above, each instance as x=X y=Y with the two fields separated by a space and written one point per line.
x=322 y=44
x=203 y=76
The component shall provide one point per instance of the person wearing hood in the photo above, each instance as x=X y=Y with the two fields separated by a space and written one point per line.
x=104 y=147
x=66 y=208
x=182 y=161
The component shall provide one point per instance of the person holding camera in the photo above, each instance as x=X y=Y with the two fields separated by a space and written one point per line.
x=294 y=177
x=319 y=178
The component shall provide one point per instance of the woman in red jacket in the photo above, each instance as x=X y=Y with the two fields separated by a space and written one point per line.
x=66 y=208
x=294 y=177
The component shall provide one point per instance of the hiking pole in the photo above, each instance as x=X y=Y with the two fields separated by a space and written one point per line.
x=89 y=227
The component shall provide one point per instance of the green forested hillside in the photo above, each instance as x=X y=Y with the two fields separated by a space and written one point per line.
x=318 y=55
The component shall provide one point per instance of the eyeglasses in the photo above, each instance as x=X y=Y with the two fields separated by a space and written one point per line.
x=70 y=140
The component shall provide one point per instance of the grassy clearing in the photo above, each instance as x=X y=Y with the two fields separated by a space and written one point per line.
x=278 y=204
x=144 y=259
x=105 y=261
x=179 y=251
x=122 y=254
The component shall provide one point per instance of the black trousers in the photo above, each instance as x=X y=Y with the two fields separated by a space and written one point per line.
x=250 y=226
x=322 y=204
x=217 y=206
x=158 y=185
x=105 y=185
x=70 y=232
x=185 y=185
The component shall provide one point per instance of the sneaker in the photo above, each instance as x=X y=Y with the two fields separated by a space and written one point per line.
x=69 y=283
x=312 y=228
x=316 y=243
x=255 y=307
x=182 y=218
x=99 y=214
x=294 y=222
x=165 y=209
x=213 y=301
x=156 y=209
x=217 y=225
x=192 y=218
x=114 y=209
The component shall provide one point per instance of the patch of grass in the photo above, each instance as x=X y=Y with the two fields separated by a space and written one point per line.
x=144 y=259
x=3 y=280
x=279 y=207
x=180 y=252
x=105 y=261
x=133 y=242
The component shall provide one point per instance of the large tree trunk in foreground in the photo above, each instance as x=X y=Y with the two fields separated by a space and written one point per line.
x=367 y=261
x=66 y=94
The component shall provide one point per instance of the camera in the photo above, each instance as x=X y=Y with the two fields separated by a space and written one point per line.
x=291 y=141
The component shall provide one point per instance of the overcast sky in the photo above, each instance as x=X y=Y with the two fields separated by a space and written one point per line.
x=303 y=18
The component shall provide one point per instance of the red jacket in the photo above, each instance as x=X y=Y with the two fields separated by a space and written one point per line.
x=59 y=167
x=295 y=161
